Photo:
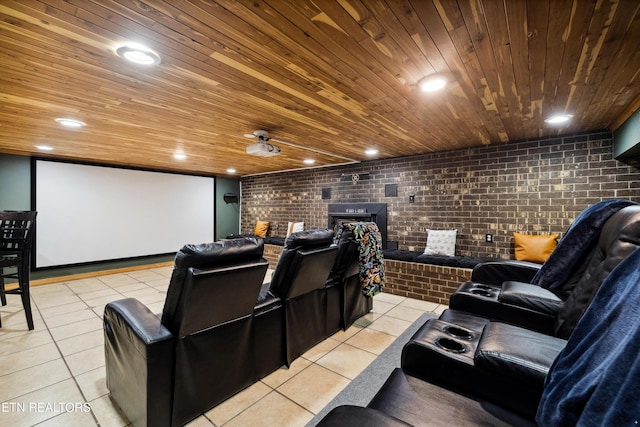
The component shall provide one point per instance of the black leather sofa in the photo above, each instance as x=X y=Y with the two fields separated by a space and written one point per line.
x=221 y=328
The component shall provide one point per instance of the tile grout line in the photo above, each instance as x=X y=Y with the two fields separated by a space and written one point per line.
x=73 y=376
x=311 y=364
x=75 y=381
x=55 y=342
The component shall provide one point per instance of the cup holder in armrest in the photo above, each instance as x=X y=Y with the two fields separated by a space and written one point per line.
x=481 y=292
x=483 y=286
x=450 y=345
x=458 y=332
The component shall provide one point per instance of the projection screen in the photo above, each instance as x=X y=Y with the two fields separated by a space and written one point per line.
x=96 y=213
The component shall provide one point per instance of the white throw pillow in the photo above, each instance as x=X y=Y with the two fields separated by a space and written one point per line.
x=294 y=227
x=441 y=242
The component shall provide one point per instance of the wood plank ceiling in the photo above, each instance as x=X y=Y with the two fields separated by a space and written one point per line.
x=333 y=77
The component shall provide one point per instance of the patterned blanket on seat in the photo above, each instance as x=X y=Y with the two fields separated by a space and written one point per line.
x=370 y=256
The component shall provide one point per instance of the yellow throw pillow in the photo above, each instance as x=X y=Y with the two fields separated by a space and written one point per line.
x=261 y=229
x=534 y=248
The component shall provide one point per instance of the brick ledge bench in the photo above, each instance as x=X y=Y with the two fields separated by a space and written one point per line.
x=413 y=275
x=427 y=277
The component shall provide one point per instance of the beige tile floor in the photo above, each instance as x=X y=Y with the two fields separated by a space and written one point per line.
x=55 y=375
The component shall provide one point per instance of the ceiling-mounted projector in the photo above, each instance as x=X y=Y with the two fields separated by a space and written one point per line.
x=263 y=149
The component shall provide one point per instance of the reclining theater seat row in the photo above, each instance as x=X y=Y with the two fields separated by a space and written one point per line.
x=166 y=371
x=601 y=236
x=298 y=285
x=315 y=305
x=508 y=363
x=221 y=328
x=479 y=371
x=593 y=381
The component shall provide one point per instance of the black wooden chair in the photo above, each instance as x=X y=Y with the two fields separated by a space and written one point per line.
x=16 y=238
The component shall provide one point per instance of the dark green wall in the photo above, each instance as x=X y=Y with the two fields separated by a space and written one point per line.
x=626 y=139
x=15 y=182
x=227 y=215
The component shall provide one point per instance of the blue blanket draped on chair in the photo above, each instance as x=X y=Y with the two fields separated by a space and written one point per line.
x=595 y=380
x=370 y=254
x=577 y=241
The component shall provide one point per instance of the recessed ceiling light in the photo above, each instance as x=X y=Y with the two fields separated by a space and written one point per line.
x=558 y=118
x=70 y=123
x=309 y=161
x=179 y=156
x=44 y=147
x=432 y=83
x=231 y=170
x=138 y=54
x=370 y=151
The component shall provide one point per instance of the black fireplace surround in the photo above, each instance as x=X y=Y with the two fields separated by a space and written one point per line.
x=353 y=212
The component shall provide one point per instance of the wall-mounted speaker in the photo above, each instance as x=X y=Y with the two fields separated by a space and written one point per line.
x=391 y=190
x=230 y=198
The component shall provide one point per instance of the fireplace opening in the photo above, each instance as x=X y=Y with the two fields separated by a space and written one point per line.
x=360 y=212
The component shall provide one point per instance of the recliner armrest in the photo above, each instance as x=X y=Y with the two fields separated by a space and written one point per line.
x=530 y=296
x=517 y=353
x=496 y=272
x=143 y=328
x=139 y=358
x=482 y=300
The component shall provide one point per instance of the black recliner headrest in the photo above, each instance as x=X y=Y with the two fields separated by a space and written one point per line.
x=207 y=256
x=309 y=239
x=218 y=253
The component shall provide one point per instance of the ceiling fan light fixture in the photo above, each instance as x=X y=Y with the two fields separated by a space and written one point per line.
x=138 y=54
x=432 y=83
x=557 y=119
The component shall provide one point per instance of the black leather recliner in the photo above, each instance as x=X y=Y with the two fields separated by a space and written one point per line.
x=505 y=363
x=346 y=274
x=593 y=381
x=167 y=371
x=296 y=295
x=497 y=292
x=345 y=266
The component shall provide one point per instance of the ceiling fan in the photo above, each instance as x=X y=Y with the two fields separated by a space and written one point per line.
x=263 y=147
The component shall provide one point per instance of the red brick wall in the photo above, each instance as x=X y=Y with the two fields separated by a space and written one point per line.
x=533 y=186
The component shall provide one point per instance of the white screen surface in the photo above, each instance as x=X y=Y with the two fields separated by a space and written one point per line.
x=94 y=213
